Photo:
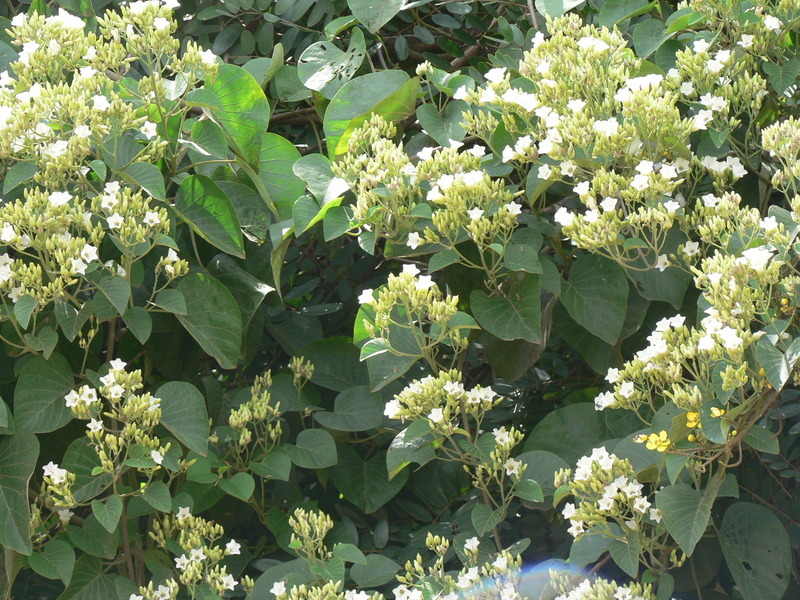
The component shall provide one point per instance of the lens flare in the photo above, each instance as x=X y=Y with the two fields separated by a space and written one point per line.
x=532 y=582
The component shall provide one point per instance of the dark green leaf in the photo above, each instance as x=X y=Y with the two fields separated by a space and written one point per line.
x=139 y=322
x=626 y=553
x=18 y=454
x=23 y=309
x=183 y=412
x=647 y=37
x=56 y=561
x=239 y=486
x=39 y=404
x=374 y=14
x=276 y=159
x=365 y=483
x=378 y=571
x=209 y=212
x=515 y=316
x=325 y=68
x=596 y=296
x=108 y=513
x=18 y=174
x=212 y=318
x=157 y=495
x=686 y=511
x=89 y=582
x=484 y=519
x=147 y=176
x=248 y=291
x=355 y=409
x=275 y=465
x=782 y=77
x=171 y=301
x=314 y=449
x=117 y=290
x=336 y=364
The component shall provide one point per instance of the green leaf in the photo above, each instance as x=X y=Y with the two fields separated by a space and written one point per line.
x=626 y=553
x=686 y=511
x=325 y=68
x=88 y=581
x=275 y=465
x=18 y=454
x=212 y=318
x=757 y=549
x=407 y=447
x=556 y=8
x=614 y=11
x=445 y=128
x=349 y=553
x=365 y=483
x=56 y=561
x=782 y=77
x=23 y=310
x=374 y=14
x=443 y=259
x=307 y=212
x=775 y=364
x=68 y=318
x=183 y=413
x=148 y=177
x=108 y=513
x=276 y=161
x=209 y=137
x=484 y=519
x=117 y=290
x=336 y=364
x=139 y=322
x=596 y=296
x=209 y=212
x=763 y=440
x=569 y=432
x=378 y=571
x=171 y=301
x=248 y=291
x=18 y=174
x=521 y=257
x=588 y=549
x=239 y=486
x=39 y=404
x=391 y=94
x=157 y=495
x=314 y=449
x=355 y=409
x=243 y=109
x=648 y=36
x=515 y=316
x=542 y=466
x=528 y=489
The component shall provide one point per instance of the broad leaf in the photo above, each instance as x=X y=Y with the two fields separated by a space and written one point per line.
x=365 y=483
x=314 y=449
x=18 y=454
x=147 y=176
x=596 y=296
x=276 y=159
x=686 y=511
x=782 y=77
x=89 y=582
x=626 y=553
x=355 y=409
x=239 y=486
x=212 y=317
x=108 y=513
x=183 y=413
x=757 y=549
x=209 y=212
x=378 y=571
x=374 y=14
x=325 y=68
x=56 y=561
x=248 y=291
x=39 y=404
x=517 y=315
x=117 y=290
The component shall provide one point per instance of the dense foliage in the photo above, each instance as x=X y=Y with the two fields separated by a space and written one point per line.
x=344 y=299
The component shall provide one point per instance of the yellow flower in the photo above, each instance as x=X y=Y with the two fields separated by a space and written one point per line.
x=658 y=441
x=717 y=412
x=692 y=437
x=692 y=419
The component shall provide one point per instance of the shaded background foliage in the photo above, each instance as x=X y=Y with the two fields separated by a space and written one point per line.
x=548 y=388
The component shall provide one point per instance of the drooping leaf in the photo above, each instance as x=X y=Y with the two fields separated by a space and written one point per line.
x=782 y=77
x=365 y=483
x=39 y=404
x=183 y=412
x=757 y=549
x=212 y=317
x=209 y=212
x=596 y=296
x=276 y=160
x=18 y=454
x=117 y=290
x=626 y=553
x=239 y=486
x=248 y=291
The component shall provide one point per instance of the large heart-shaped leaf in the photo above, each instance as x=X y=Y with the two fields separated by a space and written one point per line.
x=209 y=212
x=517 y=315
x=183 y=412
x=325 y=68
x=39 y=404
x=18 y=454
x=365 y=483
x=374 y=14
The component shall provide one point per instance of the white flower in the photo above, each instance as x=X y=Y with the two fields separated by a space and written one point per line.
x=182 y=562
x=715 y=66
x=475 y=214
x=393 y=409
x=157 y=456
x=78 y=266
x=115 y=221
x=626 y=389
x=544 y=172
x=496 y=75
x=608 y=127
x=94 y=425
x=512 y=466
x=702 y=119
x=700 y=46
x=149 y=129
x=471 y=544
x=424 y=282
x=564 y=217
x=525 y=100
x=509 y=154
x=54 y=472
x=655 y=515
x=208 y=58
x=59 y=198
x=82 y=131
x=772 y=23
x=691 y=249
x=436 y=415
x=569 y=510
x=100 y=103
x=425 y=153
x=576 y=105
x=197 y=555
x=756 y=258
x=501 y=436
x=278 y=588
x=365 y=297
x=184 y=512
x=151 y=218
x=414 y=240
x=671 y=206
x=64 y=515
x=746 y=42
x=640 y=182
x=730 y=339
x=233 y=547
x=228 y=582
x=714 y=103
x=641 y=505
x=592 y=43
x=56 y=149
x=609 y=204
x=461 y=93
x=160 y=23
x=662 y=262
x=477 y=151
x=514 y=208
x=604 y=400
x=411 y=270
x=582 y=189
x=687 y=88
x=668 y=172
